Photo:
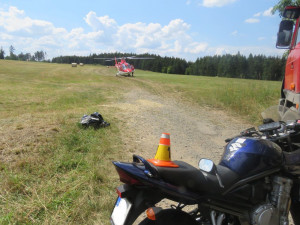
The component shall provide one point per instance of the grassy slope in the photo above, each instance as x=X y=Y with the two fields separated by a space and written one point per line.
x=245 y=98
x=53 y=171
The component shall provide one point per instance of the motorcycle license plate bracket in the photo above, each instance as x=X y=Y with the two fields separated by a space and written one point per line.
x=120 y=211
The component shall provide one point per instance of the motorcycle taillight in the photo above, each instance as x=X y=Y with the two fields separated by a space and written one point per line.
x=126 y=178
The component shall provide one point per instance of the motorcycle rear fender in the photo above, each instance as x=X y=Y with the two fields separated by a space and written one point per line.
x=173 y=192
x=141 y=199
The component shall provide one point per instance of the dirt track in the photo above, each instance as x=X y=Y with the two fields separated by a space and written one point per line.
x=196 y=132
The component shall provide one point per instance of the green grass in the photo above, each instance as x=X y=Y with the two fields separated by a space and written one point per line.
x=243 y=98
x=54 y=172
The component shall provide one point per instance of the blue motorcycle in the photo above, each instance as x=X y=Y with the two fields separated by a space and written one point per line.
x=257 y=182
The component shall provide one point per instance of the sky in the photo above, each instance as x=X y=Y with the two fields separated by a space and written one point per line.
x=187 y=29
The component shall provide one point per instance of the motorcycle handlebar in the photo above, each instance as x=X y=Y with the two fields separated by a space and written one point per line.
x=280 y=129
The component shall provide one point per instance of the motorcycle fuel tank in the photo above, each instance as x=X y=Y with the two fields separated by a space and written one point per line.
x=248 y=156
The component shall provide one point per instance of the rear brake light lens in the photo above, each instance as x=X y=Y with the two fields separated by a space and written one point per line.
x=119 y=193
x=126 y=178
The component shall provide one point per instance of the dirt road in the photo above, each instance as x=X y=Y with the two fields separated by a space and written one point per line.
x=196 y=132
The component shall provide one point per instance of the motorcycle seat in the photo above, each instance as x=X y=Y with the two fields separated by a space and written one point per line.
x=188 y=177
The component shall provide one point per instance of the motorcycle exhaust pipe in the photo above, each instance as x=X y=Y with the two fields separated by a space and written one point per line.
x=213 y=217
x=215 y=220
x=220 y=219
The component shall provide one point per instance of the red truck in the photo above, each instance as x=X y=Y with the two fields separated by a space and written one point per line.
x=288 y=37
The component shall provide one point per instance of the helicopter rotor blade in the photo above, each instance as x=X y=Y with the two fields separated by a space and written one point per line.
x=132 y=57
x=125 y=57
x=105 y=58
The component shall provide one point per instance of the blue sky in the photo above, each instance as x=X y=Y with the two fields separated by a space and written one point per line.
x=184 y=28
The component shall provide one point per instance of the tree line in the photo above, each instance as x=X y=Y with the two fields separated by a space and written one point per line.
x=258 y=67
x=37 y=56
x=157 y=64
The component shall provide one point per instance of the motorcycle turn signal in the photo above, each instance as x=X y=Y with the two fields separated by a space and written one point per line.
x=152 y=211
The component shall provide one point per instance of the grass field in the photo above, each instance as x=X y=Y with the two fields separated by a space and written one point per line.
x=243 y=98
x=54 y=172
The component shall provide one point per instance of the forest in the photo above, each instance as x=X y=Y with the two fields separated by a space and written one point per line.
x=257 y=67
x=37 y=56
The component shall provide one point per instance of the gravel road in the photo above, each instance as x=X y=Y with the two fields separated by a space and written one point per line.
x=196 y=132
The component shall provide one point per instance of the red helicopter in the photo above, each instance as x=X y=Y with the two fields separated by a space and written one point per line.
x=123 y=67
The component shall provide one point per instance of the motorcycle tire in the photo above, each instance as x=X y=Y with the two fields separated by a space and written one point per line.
x=295 y=209
x=170 y=216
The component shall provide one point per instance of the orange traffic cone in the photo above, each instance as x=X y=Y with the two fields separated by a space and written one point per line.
x=163 y=153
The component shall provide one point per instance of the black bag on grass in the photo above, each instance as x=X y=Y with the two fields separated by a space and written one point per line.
x=95 y=120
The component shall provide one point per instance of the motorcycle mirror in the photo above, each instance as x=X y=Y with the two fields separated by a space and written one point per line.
x=206 y=165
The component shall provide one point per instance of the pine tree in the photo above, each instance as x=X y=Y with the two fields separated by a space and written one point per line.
x=2 y=53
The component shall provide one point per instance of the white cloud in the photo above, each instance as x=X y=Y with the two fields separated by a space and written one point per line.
x=261 y=38
x=217 y=3
x=252 y=20
x=14 y=20
x=244 y=50
x=268 y=12
x=257 y=14
x=4 y=36
x=196 y=48
x=220 y=51
x=74 y=33
x=234 y=33
x=99 y=23
x=104 y=34
x=31 y=35
x=175 y=28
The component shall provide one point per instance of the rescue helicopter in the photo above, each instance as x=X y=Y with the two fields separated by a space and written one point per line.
x=123 y=67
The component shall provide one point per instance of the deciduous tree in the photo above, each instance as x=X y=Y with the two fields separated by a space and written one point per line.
x=283 y=3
